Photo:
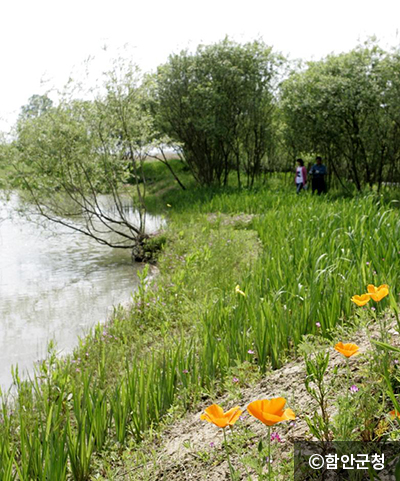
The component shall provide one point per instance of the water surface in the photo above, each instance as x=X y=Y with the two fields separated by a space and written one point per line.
x=54 y=284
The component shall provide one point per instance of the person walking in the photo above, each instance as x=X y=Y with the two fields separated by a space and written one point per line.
x=301 y=176
x=318 y=172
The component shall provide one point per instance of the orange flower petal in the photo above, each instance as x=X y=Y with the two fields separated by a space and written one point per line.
x=270 y=411
x=378 y=293
x=361 y=300
x=371 y=288
x=255 y=409
x=274 y=406
x=381 y=294
x=215 y=414
x=271 y=419
x=348 y=349
x=233 y=415
x=394 y=414
x=214 y=411
x=289 y=415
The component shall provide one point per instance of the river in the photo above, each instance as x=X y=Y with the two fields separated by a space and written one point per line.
x=55 y=284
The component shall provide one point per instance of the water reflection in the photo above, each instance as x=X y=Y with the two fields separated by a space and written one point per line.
x=54 y=284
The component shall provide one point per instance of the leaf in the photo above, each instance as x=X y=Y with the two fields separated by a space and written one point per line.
x=397 y=471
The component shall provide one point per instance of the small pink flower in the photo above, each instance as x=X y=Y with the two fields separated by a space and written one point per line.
x=367 y=263
x=318 y=324
x=185 y=371
x=276 y=437
x=250 y=351
x=354 y=388
x=235 y=379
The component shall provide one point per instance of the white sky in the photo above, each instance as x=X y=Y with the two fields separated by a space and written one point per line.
x=48 y=39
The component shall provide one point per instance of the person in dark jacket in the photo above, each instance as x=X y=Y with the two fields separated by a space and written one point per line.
x=318 y=172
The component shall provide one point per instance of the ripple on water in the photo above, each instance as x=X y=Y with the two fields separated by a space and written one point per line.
x=54 y=284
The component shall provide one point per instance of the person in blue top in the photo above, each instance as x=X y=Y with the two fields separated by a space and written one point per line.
x=318 y=172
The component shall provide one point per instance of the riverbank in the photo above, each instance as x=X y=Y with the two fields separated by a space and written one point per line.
x=244 y=275
x=140 y=339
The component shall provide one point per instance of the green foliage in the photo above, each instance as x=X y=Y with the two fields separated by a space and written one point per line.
x=345 y=107
x=37 y=105
x=152 y=247
x=71 y=153
x=7 y=172
x=190 y=333
x=187 y=335
x=317 y=387
x=217 y=104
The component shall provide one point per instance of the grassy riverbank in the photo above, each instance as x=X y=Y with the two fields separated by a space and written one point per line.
x=190 y=333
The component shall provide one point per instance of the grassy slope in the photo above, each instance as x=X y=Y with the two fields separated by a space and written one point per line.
x=298 y=259
x=192 y=449
x=316 y=248
x=338 y=256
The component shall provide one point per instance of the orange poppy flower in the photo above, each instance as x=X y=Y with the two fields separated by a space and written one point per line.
x=361 y=300
x=215 y=414
x=270 y=411
x=378 y=293
x=347 y=350
x=394 y=414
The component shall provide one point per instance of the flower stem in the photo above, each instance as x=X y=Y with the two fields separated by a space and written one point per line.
x=231 y=470
x=269 y=453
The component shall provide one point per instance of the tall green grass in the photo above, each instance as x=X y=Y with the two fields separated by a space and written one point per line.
x=298 y=261
x=316 y=255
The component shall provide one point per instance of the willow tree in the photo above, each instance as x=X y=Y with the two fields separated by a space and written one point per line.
x=75 y=161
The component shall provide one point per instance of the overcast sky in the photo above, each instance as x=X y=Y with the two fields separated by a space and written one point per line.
x=46 y=40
